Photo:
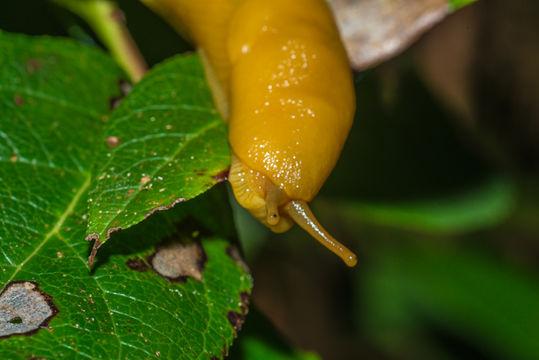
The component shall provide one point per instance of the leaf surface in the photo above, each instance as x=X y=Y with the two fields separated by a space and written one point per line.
x=164 y=144
x=136 y=302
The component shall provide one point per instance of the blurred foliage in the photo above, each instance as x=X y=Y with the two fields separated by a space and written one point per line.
x=260 y=340
x=432 y=292
x=457 y=4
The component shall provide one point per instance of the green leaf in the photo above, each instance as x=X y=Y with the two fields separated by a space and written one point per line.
x=164 y=144
x=482 y=205
x=412 y=291
x=257 y=348
x=136 y=304
x=457 y=4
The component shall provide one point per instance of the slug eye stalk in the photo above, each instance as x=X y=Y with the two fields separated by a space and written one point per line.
x=302 y=215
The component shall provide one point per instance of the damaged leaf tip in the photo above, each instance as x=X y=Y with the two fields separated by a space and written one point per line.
x=95 y=247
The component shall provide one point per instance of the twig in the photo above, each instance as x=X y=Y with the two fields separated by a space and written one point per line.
x=108 y=23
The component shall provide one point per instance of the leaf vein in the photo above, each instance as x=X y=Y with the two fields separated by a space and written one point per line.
x=211 y=125
x=51 y=99
x=56 y=228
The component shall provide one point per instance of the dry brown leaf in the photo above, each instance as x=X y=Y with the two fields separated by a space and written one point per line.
x=376 y=30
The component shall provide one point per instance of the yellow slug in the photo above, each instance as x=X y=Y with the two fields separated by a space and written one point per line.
x=282 y=80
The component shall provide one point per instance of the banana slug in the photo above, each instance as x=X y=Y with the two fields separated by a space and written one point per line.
x=281 y=79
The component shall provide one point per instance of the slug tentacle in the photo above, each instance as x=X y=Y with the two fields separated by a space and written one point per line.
x=300 y=212
x=256 y=193
x=275 y=197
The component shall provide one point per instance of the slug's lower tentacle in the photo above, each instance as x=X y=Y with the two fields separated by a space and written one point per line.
x=275 y=197
x=259 y=195
x=302 y=215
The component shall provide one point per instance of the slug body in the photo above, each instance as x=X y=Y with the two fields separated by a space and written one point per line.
x=282 y=80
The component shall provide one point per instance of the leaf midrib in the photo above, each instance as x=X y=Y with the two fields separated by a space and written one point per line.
x=56 y=229
x=211 y=125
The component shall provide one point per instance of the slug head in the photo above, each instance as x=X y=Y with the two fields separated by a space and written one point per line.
x=273 y=207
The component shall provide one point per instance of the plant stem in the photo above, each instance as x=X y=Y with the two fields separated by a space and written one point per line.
x=107 y=21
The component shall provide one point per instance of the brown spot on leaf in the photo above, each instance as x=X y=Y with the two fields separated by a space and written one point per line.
x=236 y=320
x=18 y=100
x=112 y=141
x=137 y=264
x=32 y=66
x=129 y=192
x=125 y=86
x=245 y=299
x=222 y=176
x=374 y=31
x=225 y=351
x=200 y=172
x=114 y=102
x=177 y=261
x=24 y=309
x=14 y=158
x=144 y=180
